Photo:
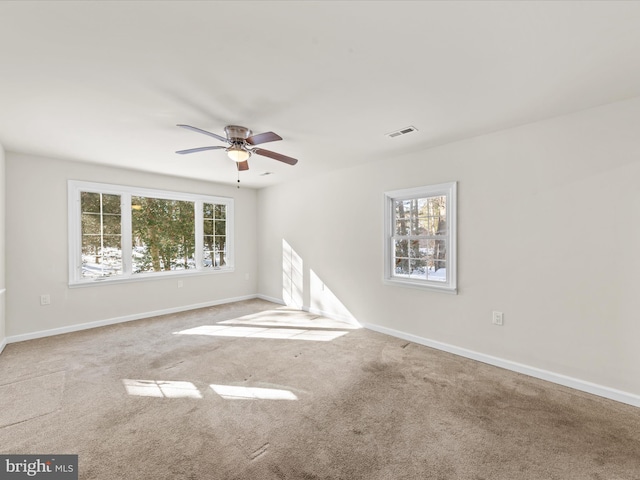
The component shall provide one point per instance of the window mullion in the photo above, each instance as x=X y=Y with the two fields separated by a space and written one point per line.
x=199 y=233
x=75 y=235
x=126 y=235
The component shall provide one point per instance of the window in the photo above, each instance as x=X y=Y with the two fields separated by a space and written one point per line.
x=122 y=233
x=420 y=237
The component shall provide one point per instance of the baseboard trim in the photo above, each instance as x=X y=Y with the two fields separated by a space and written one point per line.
x=123 y=319
x=3 y=344
x=267 y=298
x=575 y=383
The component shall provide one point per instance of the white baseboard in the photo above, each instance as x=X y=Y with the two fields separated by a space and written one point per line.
x=271 y=299
x=126 y=318
x=575 y=383
x=3 y=344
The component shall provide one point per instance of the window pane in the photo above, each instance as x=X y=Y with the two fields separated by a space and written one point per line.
x=208 y=210
x=208 y=227
x=437 y=262
x=402 y=227
x=90 y=202
x=163 y=234
x=421 y=252
x=438 y=214
x=101 y=256
x=91 y=223
x=221 y=212
x=91 y=245
x=438 y=272
x=441 y=226
x=401 y=257
x=415 y=223
x=111 y=224
x=110 y=203
x=215 y=236
x=402 y=209
x=431 y=218
x=402 y=266
x=101 y=240
x=111 y=241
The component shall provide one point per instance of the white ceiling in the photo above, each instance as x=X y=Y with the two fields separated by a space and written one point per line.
x=107 y=82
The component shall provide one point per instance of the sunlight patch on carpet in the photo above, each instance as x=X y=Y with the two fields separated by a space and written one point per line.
x=257 y=332
x=286 y=317
x=232 y=392
x=161 y=388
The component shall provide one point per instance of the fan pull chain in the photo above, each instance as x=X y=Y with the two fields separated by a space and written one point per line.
x=238 y=178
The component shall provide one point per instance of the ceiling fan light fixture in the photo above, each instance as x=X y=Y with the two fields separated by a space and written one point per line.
x=238 y=154
x=242 y=145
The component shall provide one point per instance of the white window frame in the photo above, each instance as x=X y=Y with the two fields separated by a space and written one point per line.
x=75 y=187
x=444 y=189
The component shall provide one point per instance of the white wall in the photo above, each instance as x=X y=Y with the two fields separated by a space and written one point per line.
x=548 y=233
x=36 y=245
x=2 y=250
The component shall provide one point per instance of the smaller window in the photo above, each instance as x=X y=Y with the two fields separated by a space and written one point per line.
x=101 y=235
x=215 y=235
x=420 y=237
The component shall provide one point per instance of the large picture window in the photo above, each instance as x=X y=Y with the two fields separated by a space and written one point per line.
x=163 y=234
x=123 y=233
x=420 y=241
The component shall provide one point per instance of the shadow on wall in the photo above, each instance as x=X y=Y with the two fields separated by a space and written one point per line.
x=322 y=300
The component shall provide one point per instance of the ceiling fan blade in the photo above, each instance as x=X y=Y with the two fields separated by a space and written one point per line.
x=199 y=149
x=199 y=130
x=275 y=156
x=263 y=138
x=243 y=165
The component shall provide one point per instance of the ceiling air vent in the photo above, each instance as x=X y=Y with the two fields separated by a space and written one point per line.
x=402 y=131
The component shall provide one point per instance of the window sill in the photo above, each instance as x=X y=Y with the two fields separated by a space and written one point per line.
x=142 y=277
x=420 y=285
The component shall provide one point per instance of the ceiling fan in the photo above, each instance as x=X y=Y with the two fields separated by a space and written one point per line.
x=241 y=145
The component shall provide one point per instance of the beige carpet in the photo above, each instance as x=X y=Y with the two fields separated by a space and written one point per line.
x=252 y=391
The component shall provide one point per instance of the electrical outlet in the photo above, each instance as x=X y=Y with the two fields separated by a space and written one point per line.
x=180 y=284
x=498 y=318
x=45 y=299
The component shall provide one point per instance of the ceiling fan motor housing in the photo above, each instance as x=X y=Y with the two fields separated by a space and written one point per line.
x=236 y=133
